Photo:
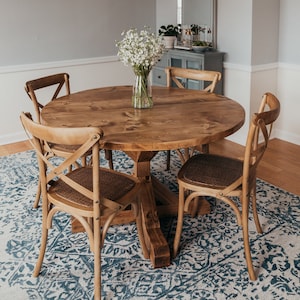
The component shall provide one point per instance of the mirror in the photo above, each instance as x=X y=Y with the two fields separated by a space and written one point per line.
x=202 y=13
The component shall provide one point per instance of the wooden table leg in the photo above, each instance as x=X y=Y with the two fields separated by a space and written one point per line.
x=156 y=243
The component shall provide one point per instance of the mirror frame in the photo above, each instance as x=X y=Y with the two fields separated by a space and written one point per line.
x=214 y=23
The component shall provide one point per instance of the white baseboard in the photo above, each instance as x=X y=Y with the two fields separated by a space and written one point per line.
x=286 y=136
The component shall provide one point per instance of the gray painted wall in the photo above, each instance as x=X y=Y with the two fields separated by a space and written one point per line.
x=289 y=35
x=254 y=32
x=265 y=31
x=235 y=30
x=33 y=31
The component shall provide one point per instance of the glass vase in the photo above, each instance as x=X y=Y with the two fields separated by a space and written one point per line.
x=142 y=92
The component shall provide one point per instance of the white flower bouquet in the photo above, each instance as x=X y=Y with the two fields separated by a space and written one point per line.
x=141 y=50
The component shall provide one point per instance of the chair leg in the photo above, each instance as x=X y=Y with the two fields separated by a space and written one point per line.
x=254 y=208
x=97 y=260
x=248 y=253
x=109 y=158
x=179 y=221
x=205 y=148
x=247 y=250
x=83 y=161
x=37 y=196
x=168 y=160
x=44 y=238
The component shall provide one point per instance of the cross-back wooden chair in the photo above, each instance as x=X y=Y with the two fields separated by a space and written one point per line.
x=56 y=81
x=224 y=177
x=91 y=194
x=55 y=84
x=209 y=78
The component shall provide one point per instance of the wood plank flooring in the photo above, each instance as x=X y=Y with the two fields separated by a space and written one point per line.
x=280 y=165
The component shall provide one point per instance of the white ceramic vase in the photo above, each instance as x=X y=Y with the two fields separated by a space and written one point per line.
x=169 y=41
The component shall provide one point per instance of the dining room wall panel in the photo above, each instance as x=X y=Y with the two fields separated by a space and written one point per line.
x=34 y=31
x=265 y=31
x=289 y=38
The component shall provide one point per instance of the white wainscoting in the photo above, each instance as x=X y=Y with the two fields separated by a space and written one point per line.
x=289 y=94
x=247 y=85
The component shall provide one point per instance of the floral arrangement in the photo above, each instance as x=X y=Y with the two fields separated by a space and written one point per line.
x=141 y=50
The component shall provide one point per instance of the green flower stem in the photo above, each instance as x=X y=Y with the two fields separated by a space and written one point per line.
x=142 y=96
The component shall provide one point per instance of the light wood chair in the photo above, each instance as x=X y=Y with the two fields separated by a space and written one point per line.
x=55 y=84
x=91 y=194
x=209 y=78
x=224 y=177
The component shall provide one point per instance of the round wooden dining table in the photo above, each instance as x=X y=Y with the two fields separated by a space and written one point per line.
x=179 y=118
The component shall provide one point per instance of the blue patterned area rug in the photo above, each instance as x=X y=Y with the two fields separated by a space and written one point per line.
x=210 y=264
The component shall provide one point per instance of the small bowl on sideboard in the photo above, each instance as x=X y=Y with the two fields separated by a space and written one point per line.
x=199 y=49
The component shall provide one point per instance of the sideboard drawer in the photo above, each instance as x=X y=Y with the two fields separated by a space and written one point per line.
x=159 y=77
x=163 y=61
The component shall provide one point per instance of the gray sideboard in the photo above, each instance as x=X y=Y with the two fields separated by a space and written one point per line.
x=210 y=60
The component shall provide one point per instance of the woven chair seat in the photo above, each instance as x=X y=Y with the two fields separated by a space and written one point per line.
x=211 y=171
x=112 y=187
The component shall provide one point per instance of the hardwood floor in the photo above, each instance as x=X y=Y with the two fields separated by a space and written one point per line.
x=280 y=165
x=14 y=148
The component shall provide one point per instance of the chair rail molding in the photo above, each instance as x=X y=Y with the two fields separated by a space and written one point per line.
x=57 y=64
x=250 y=69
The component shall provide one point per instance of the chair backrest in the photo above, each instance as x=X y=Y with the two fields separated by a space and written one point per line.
x=173 y=73
x=259 y=135
x=57 y=81
x=85 y=137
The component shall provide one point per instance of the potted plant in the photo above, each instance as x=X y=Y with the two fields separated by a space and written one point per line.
x=169 y=33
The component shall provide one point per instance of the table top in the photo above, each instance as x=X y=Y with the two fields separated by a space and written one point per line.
x=180 y=118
